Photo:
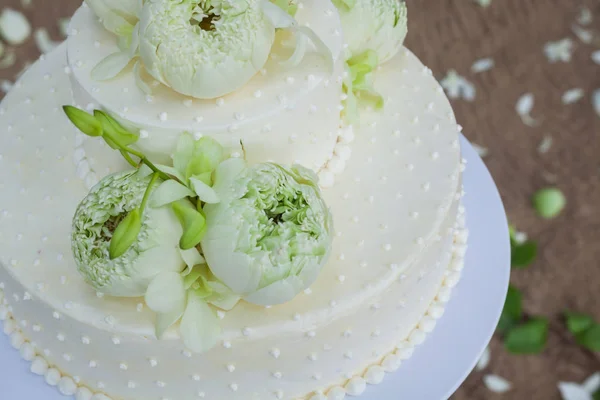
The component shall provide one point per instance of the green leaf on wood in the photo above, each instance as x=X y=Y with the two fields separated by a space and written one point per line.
x=590 y=338
x=512 y=311
x=522 y=255
x=577 y=322
x=528 y=338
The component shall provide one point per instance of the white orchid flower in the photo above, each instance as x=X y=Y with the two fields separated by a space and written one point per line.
x=378 y=25
x=154 y=250
x=270 y=235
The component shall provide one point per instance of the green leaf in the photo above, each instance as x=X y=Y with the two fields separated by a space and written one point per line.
x=512 y=311
x=577 y=322
x=590 y=338
x=114 y=134
x=193 y=223
x=549 y=202
x=522 y=255
x=596 y=395
x=528 y=338
x=85 y=122
x=126 y=234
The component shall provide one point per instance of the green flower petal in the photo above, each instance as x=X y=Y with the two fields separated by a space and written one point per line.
x=166 y=293
x=199 y=328
x=168 y=192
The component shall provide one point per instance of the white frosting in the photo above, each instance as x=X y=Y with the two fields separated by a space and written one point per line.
x=394 y=207
x=282 y=114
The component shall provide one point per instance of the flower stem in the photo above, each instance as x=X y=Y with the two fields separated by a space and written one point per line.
x=127 y=157
x=148 y=191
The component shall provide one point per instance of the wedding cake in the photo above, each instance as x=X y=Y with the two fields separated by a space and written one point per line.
x=227 y=199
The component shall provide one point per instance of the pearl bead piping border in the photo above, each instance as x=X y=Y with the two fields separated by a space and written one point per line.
x=355 y=386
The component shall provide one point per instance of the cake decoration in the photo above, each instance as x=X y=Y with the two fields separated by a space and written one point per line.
x=375 y=31
x=203 y=49
x=265 y=231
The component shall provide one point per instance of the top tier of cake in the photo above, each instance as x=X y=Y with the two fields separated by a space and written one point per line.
x=287 y=115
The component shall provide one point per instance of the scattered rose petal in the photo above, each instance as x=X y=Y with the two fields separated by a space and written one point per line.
x=585 y=16
x=14 y=27
x=496 y=383
x=10 y=58
x=483 y=3
x=6 y=86
x=584 y=35
x=592 y=383
x=596 y=57
x=482 y=65
x=481 y=151
x=573 y=391
x=572 y=96
x=596 y=101
x=524 y=107
x=545 y=144
x=559 y=51
x=484 y=360
x=457 y=86
x=63 y=26
x=43 y=41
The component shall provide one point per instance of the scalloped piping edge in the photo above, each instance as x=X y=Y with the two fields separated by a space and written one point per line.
x=354 y=386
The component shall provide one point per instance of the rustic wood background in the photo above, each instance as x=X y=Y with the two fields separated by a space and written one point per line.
x=453 y=34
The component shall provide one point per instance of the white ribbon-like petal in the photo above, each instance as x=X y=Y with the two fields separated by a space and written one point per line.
x=111 y=66
x=165 y=320
x=170 y=171
x=166 y=293
x=199 y=328
x=191 y=257
x=168 y=192
x=204 y=192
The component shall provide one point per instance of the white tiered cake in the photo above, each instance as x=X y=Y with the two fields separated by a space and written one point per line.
x=392 y=183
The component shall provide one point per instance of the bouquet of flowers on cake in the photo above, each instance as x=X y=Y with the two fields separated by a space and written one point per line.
x=199 y=235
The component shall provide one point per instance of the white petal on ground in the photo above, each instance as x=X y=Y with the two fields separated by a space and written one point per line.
x=483 y=3
x=14 y=27
x=520 y=237
x=596 y=57
x=561 y=50
x=585 y=16
x=63 y=26
x=484 y=360
x=6 y=86
x=496 y=383
x=586 y=36
x=10 y=58
x=572 y=96
x=524 y=107
x=545 y=144
x=481 y=151
x=573 y=391
x=482 y=65
x=43 y=41
x=457 y=86
x=596 y=101
x=592 y=383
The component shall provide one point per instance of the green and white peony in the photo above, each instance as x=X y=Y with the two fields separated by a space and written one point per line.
x=154 y=250
x=271 y=233
x=378 y=25
x=209 y=48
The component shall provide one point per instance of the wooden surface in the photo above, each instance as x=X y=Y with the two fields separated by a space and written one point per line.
x=453 y=34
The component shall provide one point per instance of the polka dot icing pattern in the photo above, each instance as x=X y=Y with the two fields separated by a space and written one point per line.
x=284 y=115
x=381 y=266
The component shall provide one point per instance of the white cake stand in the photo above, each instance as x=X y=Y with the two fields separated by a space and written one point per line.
x=439 y=365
